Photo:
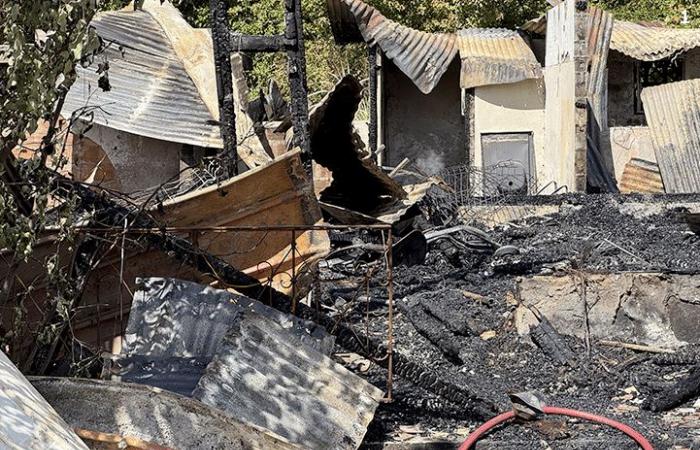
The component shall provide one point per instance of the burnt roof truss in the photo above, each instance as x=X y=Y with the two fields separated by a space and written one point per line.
x=291 y=42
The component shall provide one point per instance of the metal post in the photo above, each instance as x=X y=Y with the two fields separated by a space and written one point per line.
x=373 y=138
x=390 y=327
x=224 y=83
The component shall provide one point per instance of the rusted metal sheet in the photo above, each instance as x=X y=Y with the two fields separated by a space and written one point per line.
x=151 y=92
x=639 y=41
x=651 y=43
x=673 y=113
x=343 y=23
x=27 y=421
x=599 y=32
x=356 y=182
x=643 y=177
x=275 y=194
x=265 y=375
x=495 y=56
x=151 y=415
x=423 y=57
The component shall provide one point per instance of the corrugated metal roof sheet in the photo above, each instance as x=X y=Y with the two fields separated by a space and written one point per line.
x=495 y=56
x=265 y=376
x=642 y=42
x=423 y=57
x=648 y=43
x=642 y=177
x=151 y=93
x=343 y=23
x=673 y=113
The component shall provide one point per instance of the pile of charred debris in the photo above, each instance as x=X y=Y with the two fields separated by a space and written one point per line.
x=371 y=308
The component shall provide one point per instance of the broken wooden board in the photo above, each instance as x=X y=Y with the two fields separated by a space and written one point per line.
x=266 y=376
x=642 y=308
x=276 y=194
x=27 y=421
x=151 y=415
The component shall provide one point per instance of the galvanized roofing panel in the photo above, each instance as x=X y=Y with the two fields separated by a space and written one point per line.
x=151 y=93
x=642 y=42
x=423 y=57
x=495 y=56
x=673 y=113
x=652 y=43
x=265 y=376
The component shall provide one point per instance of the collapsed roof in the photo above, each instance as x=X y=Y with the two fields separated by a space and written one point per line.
x=489 y=56
x=151 y=93
x=638 y=41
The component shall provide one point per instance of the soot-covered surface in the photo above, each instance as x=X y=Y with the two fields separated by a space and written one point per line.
x=455 y=314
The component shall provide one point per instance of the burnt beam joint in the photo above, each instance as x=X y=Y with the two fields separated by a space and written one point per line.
x=224 y=82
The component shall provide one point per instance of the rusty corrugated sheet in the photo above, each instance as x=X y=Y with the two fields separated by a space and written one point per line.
x=642 y=42
x=673 y=113
x=600 y=27
x=641 y=176
x=536 y=26
x=495 y=56
x=648 y=43
x=343 y=23
x=151 y=92
x=423 y=57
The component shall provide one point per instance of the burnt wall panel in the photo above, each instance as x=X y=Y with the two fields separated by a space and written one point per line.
x=427 y=129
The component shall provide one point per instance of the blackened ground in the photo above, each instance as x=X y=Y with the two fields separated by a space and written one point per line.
x=592 y=234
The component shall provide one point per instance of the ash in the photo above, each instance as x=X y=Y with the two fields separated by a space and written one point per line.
x=463 y=302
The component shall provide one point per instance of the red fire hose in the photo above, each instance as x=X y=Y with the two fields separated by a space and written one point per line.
x=488 y=426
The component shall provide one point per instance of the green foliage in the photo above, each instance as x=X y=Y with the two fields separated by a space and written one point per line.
x=667 y=12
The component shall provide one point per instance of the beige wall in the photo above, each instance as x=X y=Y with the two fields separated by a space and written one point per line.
x=512 y=108
x=138 y=162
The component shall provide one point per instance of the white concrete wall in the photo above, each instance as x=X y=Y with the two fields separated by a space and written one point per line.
x=512 y=108
x=628 y=143
x=139 y=162
x=558 y=163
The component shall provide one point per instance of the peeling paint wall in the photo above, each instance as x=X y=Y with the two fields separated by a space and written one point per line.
x=628 y=143
x=138 y=162
x=427 y=129
x=513 y=108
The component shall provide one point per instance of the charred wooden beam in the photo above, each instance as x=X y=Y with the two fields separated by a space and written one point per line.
x=296 y=70
x=259 y=44
x=684 y=390
x=550 y=341
x=224 y=83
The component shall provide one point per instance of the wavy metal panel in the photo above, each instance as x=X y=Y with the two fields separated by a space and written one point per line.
x=495 y=56
x=652 y=43
x=151 y=93
x=423 y=57
x=642 y=42
x=265 y=376
x=641 y=176
x=673 y=113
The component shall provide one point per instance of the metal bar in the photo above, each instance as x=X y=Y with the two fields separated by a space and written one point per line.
x=296 y=71
x=224 y=83
x=225 y=229
x=294 y=274
x=373 y=138
x=390 y=325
